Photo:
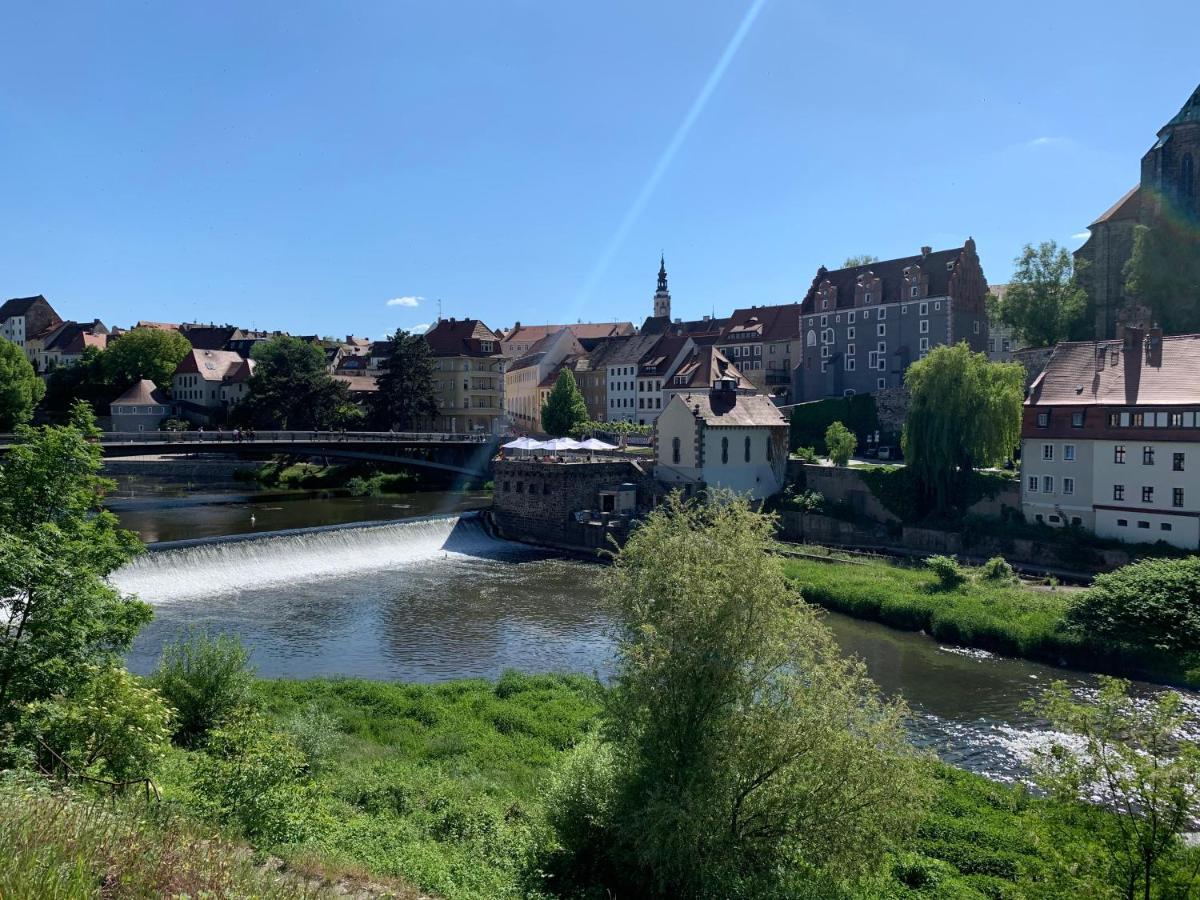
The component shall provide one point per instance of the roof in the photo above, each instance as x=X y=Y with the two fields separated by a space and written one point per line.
x=74 y=337
x=144 y=393
x=664 y=354
x=1128 y=207
x=213 y=365
x=161 y=326
x=604 y=349
x=207 y=337
x=663 y=325
x=633 y=350
x=703 y=366
x=461 y=337
x=581 y=330
x=730 y=409
x=359 y=383
x=1074 y=377
x=768 y=323
x=1188 y=114
x=938 y=264
x=19 y=306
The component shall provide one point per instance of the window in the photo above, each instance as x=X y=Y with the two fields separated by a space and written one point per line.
x=849 y=334
x=1047 y=484
x=849 y=363
x=1177 y=497
x=914 y=291
x=923 y=309
x=1047 y=451
x=825 y=352
x=1068 y=485
x=1165 y=526
x=1147 y=456
x=1147 y=494
x=883 y=312
x=747 y=448
x=1118 y=492
x=924 y=326
x=824 y=321
x=849 y=349
x=1177 y=462
x=881 y=330
x=1055 y=519
x=924 y=344
x=1143 y=524
x=1032 y=486
x=1123 y=523
x=880 y=383
x=724 y=450
x=975 y=326
x=850 y=317
x=937 y=304
x=1043 y=419
x=867 y=297
x=1119 y=454
x=837 y=318
x=1139 y=419
x=1076 y=420
x=1176 y=420
x=824 y=366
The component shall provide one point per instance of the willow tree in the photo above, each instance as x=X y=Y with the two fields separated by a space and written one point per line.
x=964 y=412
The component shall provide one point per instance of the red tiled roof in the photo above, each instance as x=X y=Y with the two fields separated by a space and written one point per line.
x=461 y=337
x=1102 y=373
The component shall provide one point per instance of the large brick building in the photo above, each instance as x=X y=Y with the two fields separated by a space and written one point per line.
x=863 y=326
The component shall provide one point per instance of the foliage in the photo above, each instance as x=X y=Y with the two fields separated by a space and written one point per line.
x=1163 y=272
x=589 y=428
x=862 y=259
x=153 y=353
x=20 y=387
x=805 y=454
x=206 y=679
x=580 y=799
x=57 y=545
x=747 y=750
x=947 y=570
x=841 y=443
x=1154 y=603
x=810 y=421
x=1128 y=753
x=997 y=569
x=111 y=727
x=85 y=380
x=564 y=409
x=291 y=387
x=406 y=398
x=1044 y=302
x=964 y=412
x=173 y=424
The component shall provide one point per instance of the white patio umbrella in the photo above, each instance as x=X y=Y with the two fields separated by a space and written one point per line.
x=596 y=444
x=556 y=445
x=521 y=443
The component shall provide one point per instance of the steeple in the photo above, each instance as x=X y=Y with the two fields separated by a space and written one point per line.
x=662 y=297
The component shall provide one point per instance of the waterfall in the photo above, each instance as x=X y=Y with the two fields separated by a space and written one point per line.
x=225 y=565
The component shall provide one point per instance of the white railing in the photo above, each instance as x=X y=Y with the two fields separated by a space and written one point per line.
x=215 y=437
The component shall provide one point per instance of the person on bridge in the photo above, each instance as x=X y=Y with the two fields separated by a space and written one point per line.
x=200 y=434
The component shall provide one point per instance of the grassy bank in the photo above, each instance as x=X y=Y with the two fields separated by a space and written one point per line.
x=1012 y=619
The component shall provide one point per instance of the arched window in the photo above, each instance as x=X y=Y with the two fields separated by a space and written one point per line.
x=747 y=448
x=811 y=341
x=675 y=443
x=724 y=450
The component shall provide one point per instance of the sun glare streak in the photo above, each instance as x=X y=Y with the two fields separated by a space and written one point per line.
x=668 y=154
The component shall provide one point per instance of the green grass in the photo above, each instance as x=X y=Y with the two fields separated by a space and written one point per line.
x=1012 y=619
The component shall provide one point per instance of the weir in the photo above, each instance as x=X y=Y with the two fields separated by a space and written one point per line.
x=222 y=565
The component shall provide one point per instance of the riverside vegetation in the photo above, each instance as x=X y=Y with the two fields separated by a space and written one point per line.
x=736 y=754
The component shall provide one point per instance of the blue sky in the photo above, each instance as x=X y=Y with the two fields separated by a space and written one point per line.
x=300 y=166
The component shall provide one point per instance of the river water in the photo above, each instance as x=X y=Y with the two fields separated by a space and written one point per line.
x=434 y=597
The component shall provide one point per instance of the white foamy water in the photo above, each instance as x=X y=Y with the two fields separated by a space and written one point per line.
x=225 y=566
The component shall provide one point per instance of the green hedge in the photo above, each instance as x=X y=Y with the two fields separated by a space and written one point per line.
x=809 y=420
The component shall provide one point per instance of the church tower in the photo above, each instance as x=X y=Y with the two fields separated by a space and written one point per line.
x=662 y=297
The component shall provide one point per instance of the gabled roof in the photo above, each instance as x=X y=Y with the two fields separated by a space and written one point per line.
x=144 y=393
x=1102 y=373
x=938 y=264
x=768 y=323
x=461 y=337
x=207 y=337
x=359 y=384
x=730 y=409
x=581 y=330
x=20 y=306
x=664 y=325
x=603 y=350
x=73 y=337
x=702 y=368
x=1128 y=207
x=214 y=365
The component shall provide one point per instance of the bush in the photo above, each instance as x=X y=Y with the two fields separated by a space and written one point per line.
x=579 y=802
x=206 y=679
x=805 y=454
x=949 y=574
x=841 y=443
x=1153 y=603
x=364 y=487
x=997 y=569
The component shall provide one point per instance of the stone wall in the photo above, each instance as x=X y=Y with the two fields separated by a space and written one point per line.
x=1034 y=360
x=891 y=406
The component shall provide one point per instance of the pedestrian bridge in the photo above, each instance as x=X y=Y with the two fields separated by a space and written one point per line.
x=463 y=454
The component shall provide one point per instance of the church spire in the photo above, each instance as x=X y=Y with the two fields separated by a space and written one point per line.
x=662 y=297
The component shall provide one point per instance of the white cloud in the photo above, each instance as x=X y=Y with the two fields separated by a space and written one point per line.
x=420 y=329
x=405 y=301
x=1047 y=142
x=1081 y=235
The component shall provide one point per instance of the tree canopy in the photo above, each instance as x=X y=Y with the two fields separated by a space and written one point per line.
x=964 y=412
x=291 y=387
x=406 y=400
x=152 y=353
x=1164 y=274
x=20 y=387
x=1044 y=303
x=565 y=409
x=841 y=443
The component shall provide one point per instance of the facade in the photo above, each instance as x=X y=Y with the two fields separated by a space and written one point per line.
x=1110 y=439
x=22 y=318
x=654 y=374
x=141 y=408
x=722 y=438
x=764 y=343
x=209 y=383
x=1002 y=339
x=622 y=366
x=63 y=344
x=525 y=379
x=469 y=376
x=1168 y=184
x=864 y=326
x=591 y=374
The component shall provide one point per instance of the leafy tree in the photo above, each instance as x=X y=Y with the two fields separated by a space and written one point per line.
x=20 y=387
x=565 y=408
x=57 y=545
x=85 y=380
x=841 y=443
x=863 y=259
x=406 y=399
x=1044 y=302
x=206 y=679
x=747 y=751
x=963 y=412
x=1127 y=753
x=152 y=353
x=291 y=387
x=1164 y=274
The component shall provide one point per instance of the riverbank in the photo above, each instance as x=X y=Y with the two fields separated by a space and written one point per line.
x=1014 y=619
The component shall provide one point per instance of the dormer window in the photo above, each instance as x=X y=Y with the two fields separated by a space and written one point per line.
x=914 y=291
x=867 y=297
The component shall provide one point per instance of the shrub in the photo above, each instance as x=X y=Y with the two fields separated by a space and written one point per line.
x=359 y=486
x=949 y=574
x=315 y=734
x=805 y=454
x=205 y=679
x=841 y=443
x=997 y=569
x=1153 y=603
x=579 y=803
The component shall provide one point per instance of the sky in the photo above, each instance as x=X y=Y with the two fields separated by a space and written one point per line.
x=339 y=168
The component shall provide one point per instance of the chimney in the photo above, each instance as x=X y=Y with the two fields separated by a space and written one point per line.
x=1154 y=347
x=707 y=318
x=925 y=251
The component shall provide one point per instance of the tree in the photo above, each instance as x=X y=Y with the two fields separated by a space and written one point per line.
x=746 y=749
x=841 y=443
x=1164 y=274
x=291 y=387
x=863 y=259
x=963 y=412
x=152 y=353
x=565 y=408
x=85 y=380
x=1044 y=302
x=206 y=679
x=406 y=399
x=20 y=388
x=1129 y=754
x=57 y=545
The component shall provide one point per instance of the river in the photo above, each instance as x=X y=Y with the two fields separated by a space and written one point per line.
x=434 y=597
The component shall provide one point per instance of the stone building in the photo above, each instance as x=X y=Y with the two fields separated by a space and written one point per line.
x=865 y=325
x=1168 y=185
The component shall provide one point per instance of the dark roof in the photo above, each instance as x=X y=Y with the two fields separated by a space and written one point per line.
x=937 y=263
x=19 y=306
x=664 y=325
x=603 y=350
x=733 y=410
x=207 y=337
x=703 y=366
x=1128 y=207
x=658 y=361
x=633 y=350
x=461 y=337
x=770 y=323
x=1190 y=113
x=73 y=337
x=1087 y=373
x=144 y=393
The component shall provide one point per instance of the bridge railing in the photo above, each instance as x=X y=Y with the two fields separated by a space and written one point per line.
x=216 y=437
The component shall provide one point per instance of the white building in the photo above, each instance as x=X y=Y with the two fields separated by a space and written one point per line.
x=1110 y=439
x=209 y=383
x=722 y=438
